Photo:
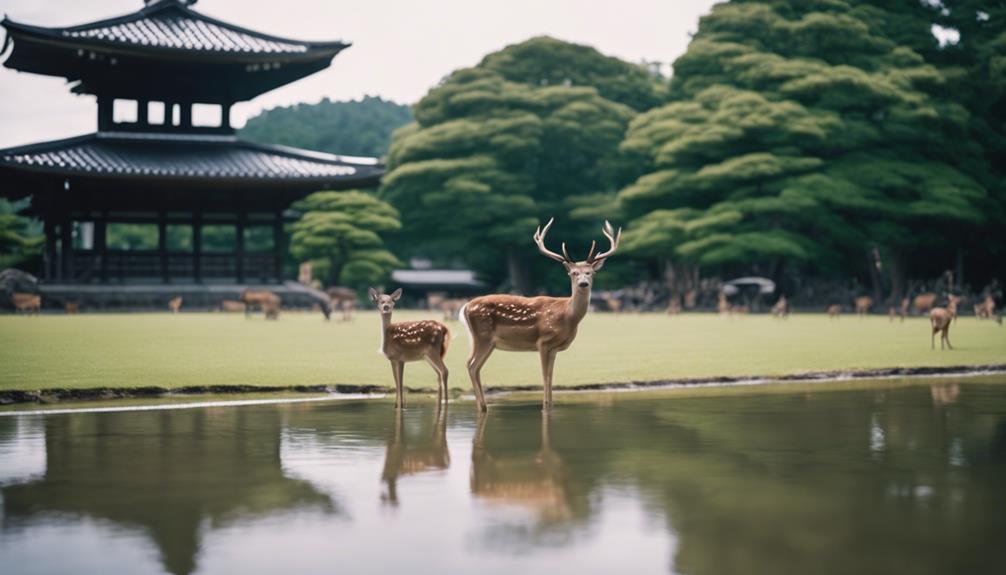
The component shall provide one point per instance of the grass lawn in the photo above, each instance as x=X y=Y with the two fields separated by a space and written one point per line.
x=127 y=350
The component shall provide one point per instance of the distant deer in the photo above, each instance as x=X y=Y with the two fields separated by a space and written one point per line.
x=544 y=324
x=71 y=307
x=270 y=309
x=230 y=305
x=452 y=307
x=723 y=305
x=987 y=310
x=924 y=302
x=940 y=319
x=343 y=298
x=691 y=297
x=674 y=305
x=834 y=310
x=863 y=305
x=903 y=310
x=262 y=299
x=613 y=303
x=175 y=304
x=411 y=341
x=26 y=303
x=781 y=307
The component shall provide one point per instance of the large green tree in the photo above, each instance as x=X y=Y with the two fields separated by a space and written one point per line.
x=342 y=232
x=527 y=134
x=801 y=133
x=21 y=238
x=357 y=127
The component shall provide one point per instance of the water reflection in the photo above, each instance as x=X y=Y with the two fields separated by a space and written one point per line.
x=165 y=474
x=902 y=479
x=415 y=455
x=530 y=476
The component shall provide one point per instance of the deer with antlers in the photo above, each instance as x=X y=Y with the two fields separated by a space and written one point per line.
x=543 y=324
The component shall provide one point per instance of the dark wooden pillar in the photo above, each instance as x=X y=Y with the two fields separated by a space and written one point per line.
x=278 y=245
x=104 y=113
x=162 y=246
x=239 y=251
x=197 y=246
x=101 y=246
x=141 y=112
x=66 y=248
x=49 y=264
x=186 y=117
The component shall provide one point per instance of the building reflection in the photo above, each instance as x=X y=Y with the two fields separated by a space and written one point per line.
x=412 y=455
x=536 y=479
x=166 y=475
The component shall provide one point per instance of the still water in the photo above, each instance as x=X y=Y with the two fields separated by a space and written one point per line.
x=890 y=477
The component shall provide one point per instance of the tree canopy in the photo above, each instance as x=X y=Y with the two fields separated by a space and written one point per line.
x=342 y=233
x=356 y=128
x=525 y=135
x=801 y=132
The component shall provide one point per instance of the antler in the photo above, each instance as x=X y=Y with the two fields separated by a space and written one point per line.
x=613 y=237
x=539 y=238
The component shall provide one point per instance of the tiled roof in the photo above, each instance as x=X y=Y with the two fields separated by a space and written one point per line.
x=173 y=156
x=172 y=25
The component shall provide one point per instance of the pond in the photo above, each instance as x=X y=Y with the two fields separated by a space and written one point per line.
x=878 y=477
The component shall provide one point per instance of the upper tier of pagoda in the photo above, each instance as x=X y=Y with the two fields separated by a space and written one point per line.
x=166 y=51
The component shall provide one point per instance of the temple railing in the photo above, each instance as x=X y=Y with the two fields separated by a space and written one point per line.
x=158 y=266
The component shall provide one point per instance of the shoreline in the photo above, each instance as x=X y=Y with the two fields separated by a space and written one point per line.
x=56 y=395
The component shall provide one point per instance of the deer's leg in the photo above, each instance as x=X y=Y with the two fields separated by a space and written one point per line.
x=480 y=353
x=438 y=365
x=398 y=369
x=932 y=339
x=547 y=363
x=946 y=336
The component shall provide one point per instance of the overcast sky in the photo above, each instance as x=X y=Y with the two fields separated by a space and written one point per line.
x=400 y=47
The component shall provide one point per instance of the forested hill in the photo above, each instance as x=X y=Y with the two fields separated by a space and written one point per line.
x=354 y=128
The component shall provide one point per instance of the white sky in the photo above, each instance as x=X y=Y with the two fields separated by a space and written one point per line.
x=400 y=49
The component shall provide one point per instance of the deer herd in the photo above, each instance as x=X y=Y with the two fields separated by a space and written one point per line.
x=542 y=324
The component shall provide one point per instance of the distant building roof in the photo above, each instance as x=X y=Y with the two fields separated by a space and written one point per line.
x=185 y=156
x=172 y=25
x=440 y=278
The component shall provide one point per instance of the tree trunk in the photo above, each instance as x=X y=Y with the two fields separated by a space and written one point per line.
x=335 y=272
x=897 y=271
x=875 y=268
x=959 y=270
x=517 y=270
x=670 y=277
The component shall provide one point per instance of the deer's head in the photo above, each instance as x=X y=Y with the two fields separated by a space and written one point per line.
x=385 y=303
x=581 y=273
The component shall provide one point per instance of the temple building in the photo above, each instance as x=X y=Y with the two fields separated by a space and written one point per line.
x=165 y=154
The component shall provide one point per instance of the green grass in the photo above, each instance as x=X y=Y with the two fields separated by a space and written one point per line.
x=129 y=350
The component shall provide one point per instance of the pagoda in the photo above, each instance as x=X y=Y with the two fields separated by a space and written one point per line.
x=165 y=79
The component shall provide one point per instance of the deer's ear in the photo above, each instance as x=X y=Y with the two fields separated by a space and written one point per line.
x=373 y=294
x=395 y=295
x=597 y=265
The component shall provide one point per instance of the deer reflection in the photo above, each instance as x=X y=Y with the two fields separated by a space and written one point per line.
x=538 y=481
x=944 y=394
x=411 y=457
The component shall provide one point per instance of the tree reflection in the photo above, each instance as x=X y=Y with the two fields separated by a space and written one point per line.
x=165 y=475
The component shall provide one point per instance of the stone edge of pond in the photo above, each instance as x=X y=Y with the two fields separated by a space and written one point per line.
x=54 y=395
